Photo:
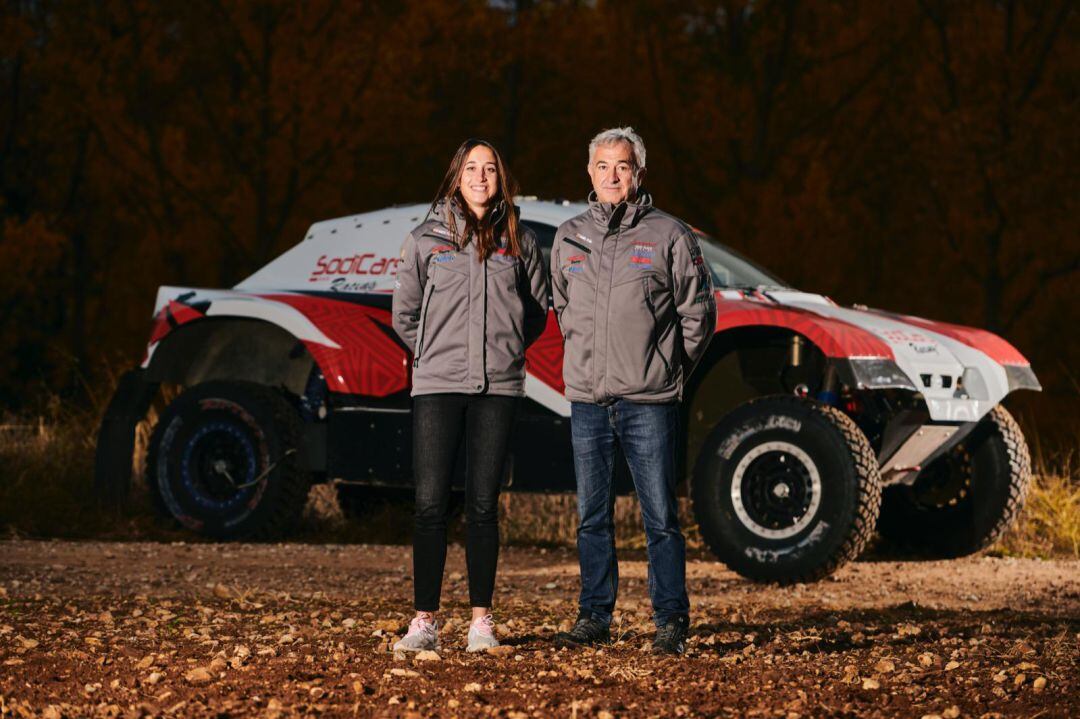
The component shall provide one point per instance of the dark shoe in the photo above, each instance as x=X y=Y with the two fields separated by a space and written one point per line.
x=586 y=632
x=671 y=638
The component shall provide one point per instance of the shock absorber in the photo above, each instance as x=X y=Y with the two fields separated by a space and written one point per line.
x=828 y=393
x=790 y=375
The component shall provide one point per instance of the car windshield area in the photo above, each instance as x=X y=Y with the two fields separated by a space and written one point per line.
x=730 y=270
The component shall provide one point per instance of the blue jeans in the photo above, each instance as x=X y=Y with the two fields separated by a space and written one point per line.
x=647 y=434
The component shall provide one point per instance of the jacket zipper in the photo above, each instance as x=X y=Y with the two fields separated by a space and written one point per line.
x=596 y=300
x=578 y=245
x=656 y=324
x=423 y=325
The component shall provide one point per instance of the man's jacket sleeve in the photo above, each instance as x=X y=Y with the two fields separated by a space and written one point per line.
x=408 y=293
x=558 y=279
x=536 y=299
x=694 y=299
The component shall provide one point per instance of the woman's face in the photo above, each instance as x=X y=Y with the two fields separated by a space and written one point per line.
x=479 y=178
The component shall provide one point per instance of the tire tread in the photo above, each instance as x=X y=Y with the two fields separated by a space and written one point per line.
x=868 y=498
x=1019 y=474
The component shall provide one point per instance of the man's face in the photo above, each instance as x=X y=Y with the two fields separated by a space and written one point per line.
x=614 y=174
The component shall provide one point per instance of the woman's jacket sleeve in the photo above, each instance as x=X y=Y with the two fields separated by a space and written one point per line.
x=536 y=294
x=408 y=293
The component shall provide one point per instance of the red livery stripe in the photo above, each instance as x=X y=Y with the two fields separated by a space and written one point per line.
x=836 y=338
x=988 y=343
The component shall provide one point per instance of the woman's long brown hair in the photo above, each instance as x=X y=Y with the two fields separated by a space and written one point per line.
x=486 y=230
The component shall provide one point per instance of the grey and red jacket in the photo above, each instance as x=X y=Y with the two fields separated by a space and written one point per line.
x=467 y=322
x=635 y=302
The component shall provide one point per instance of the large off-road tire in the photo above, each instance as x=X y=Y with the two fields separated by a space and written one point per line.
x=786 y=490
x=223 y=461
x=963 y=501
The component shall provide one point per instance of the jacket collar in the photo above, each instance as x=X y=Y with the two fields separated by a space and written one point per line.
x=443 y=209
x=623 y=215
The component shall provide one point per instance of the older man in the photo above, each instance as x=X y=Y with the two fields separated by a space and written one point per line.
x=635 y=303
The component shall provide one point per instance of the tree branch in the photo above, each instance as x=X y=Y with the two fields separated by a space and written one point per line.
x=940 y=24
x=1036 y=75
x=1044 y=278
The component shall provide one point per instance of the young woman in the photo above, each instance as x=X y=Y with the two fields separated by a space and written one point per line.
x=471 y=295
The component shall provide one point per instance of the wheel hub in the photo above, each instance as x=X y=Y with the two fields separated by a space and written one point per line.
x=218 y=458
x=776 y=490
x=946 y=482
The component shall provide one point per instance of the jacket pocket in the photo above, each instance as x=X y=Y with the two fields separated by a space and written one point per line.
x=428 y=292
x=638 y=329
x=577 y=322
x=442 y=342
x=656 y=331
x=505 y=321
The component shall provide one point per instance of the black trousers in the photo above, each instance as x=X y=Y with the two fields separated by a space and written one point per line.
x=439 y=422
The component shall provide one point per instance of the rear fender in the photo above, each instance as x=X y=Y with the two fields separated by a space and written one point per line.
x=273 y=339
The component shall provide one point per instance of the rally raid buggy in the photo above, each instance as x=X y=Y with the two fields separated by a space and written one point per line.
x=807 y=424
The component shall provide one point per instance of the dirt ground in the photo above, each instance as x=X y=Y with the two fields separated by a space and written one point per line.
x=114 y=629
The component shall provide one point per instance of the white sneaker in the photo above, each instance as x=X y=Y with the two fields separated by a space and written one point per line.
x=482 y=634
x=423 y=635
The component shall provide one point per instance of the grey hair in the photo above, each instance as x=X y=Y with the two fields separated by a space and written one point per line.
x=620 y=134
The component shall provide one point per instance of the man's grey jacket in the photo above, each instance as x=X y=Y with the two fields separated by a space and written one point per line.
x=468 y=322
x=634 y=299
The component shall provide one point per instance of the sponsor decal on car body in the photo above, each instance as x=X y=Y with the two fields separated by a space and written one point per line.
x=362 y=263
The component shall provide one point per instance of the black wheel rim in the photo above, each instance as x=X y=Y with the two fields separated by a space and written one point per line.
x=217 y=463
x=777 y=490
x=945 y=483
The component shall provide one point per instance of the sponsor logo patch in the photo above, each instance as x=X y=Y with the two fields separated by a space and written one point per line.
x=582 y=237
x=575 y=264
x=641 y=254
x=442 y=253
x=697 y=258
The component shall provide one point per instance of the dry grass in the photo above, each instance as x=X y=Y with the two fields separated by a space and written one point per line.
x=44 y=462
x=46 y=479
x=46 y=470
x=551 y=519
x=1050 y=523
